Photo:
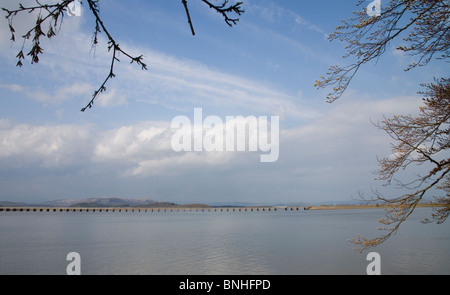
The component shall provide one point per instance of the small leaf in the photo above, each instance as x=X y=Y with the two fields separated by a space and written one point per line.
x=50 y=33
x=20 y=55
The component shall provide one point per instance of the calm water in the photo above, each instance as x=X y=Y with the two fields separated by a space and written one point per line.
x=235 y=243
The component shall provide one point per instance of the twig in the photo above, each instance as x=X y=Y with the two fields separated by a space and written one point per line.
x=188 y=16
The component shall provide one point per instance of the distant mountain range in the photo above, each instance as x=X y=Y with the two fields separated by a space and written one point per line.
x=147 y=203
x=95 y=202
x=104 y=202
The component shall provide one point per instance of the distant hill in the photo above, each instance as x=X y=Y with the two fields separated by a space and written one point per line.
x=148 y=203
x=108 y=202
x=103 y=203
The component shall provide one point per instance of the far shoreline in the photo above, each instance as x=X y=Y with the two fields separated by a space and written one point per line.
x=204 y=208
x=366 y=206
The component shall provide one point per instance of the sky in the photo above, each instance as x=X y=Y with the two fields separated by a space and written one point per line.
x=264 y=66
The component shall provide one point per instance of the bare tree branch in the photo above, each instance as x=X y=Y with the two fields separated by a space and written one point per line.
x=225 y=10
x=424 y=22
x=188 y=16
x=420 y=139
x=112 y=45
x=53 y=14
x=424 y=27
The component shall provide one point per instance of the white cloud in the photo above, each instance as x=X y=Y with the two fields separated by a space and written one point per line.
x=61 y=94
x=133 y=143
x=174 y=82
x=274 y=13
x=180 y=164
x=12 y=87
x=5 y=124
x=112 y=99
x=344 y=142
x=54 y=146
x=146 y=149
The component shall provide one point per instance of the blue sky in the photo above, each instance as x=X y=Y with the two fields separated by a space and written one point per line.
x=266 y=65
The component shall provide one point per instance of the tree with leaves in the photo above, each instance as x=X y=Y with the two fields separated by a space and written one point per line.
x=424 y=28
x=52 y=16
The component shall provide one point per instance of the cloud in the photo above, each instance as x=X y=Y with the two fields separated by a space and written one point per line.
x=342 y=146
x=173 y=82
x=112 y=99
x=274 y=13
x=180 y=164
x=23 y=145
x=329 y=158
x=145 y=149
x=12 y=87
x=143 y=141
x=62 y=94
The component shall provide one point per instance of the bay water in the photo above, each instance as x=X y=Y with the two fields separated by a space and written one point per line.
x=217 y=243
